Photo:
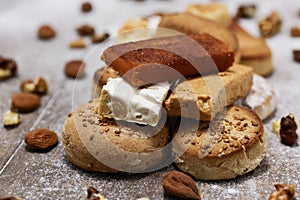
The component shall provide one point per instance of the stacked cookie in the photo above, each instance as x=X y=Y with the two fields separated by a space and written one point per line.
x=167 y=100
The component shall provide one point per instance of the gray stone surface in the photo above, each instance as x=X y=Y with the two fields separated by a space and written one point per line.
x=33 y=175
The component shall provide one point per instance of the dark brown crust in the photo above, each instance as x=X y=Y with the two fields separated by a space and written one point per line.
x=146 y=59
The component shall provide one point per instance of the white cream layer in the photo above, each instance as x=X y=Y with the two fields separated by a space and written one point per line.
x=139 y=105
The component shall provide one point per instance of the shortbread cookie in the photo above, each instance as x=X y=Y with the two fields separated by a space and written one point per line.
x=261 y=98
x=222 y=149
x=113 y=146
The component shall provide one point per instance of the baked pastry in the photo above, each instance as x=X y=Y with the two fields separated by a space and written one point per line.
x=202 y=97
x=169 y=58
x=206 y=95
x=221 y=149
x=110 y=146
x=261 y=98
x=212 y=11
x=254 y=51
x=187 y=23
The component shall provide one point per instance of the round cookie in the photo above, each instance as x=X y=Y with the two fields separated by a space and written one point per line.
x=225 y=149
x=24 y=102
x=113 y=146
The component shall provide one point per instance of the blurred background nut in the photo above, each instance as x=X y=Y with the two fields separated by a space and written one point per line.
x=296 y=55
x=295 y=31
x=270 y=26
x=86 y=7
x=39 y=86
x=246 y=11
x=8 y=67
x=98 y=38
x=46 y=32
x=85 y=30
x=11 y=119
x=77 y=43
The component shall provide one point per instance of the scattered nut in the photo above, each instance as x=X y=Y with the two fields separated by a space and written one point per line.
x=85 y=30
x=246 y=11
x=8 y=67
x=180 y=185
x=11 y=119
x=296 y=55
x=288 y=129
x=41 y=139
x=24 y=102
x=94 y=194
x=10 y=198
x=284 y=192
x=295 y=31
x=39 y=86
x=75 y=68
x=98 y=38
x=77 y=43
x=86 y=7
x=46 y=32
x=270 y=26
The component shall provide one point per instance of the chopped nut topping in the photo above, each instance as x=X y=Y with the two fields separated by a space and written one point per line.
x=246 y=11
x=295 y=31
x=11 y=119
x=270 y=26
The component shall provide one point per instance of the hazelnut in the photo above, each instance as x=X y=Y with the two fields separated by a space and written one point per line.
x=288 y=129
x=11 y=119
x=46 y=32
x=39 y=86
x=85 y=30
x=86 y=7
x=296 y=55
x=295 y=31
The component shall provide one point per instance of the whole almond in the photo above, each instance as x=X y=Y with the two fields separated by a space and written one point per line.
x=41 y=139
x=180 y=185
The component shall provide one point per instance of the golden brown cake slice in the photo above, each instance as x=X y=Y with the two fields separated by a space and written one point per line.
x=201 y=98
x=187 y=23
x=254 y=51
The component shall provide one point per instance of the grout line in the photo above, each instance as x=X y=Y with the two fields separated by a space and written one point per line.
x=40 y=117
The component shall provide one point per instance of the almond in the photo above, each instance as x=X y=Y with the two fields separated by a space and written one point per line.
x=180 y=185
x=41 y=139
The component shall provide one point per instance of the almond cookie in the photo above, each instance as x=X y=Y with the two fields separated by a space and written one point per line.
x=112 y=146
x=24 y=102
x=229 y=146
